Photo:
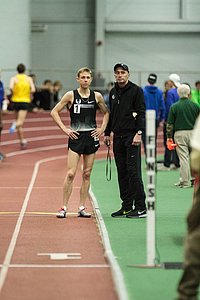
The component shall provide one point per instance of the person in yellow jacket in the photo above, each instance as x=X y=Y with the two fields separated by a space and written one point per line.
x=21 y=86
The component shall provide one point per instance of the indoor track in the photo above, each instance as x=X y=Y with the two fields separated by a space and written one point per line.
x=42 y=257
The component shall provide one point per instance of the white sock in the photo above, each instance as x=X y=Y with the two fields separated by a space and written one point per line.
x=81 y=208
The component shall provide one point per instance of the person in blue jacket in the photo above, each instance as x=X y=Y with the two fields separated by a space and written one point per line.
x=154 y=100
x=170 y=157
x=2 y=97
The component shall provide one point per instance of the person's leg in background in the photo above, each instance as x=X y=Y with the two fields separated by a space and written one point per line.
x=20 y=119
x=182 y=139
x=2 y=156
x=168 y=153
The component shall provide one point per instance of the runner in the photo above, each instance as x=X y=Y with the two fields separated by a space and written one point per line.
x=21 y=86
x=83 y=135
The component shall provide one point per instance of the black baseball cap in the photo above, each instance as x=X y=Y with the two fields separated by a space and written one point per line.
x=120 y=65
x=152 y=78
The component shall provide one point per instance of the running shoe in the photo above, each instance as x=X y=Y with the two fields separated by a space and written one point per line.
x=182 y=185
x=12 y=128
x=83 y=214
x=23 y=144
x=137 y=214
x=61 y=213
x=2 y=156
x=121 y=213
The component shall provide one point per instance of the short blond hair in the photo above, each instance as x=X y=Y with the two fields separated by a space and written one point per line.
x=84 y=69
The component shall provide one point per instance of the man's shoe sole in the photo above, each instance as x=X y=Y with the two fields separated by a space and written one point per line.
x=61 y=216
x=81 y=216
x=121 y=216
x=136 y=217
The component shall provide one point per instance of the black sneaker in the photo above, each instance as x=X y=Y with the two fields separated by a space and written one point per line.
x=120 y=213
x=137 y=214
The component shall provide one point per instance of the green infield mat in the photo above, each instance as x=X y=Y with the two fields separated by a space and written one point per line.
x=128 y=236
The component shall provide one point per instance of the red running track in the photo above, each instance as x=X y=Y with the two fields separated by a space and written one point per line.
x=42 y=257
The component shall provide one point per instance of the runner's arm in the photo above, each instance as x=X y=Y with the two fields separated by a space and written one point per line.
x=12 y=82
x=55 y=113
x=31 y=85
x=104 y=109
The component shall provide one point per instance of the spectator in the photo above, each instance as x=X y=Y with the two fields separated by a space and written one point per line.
x=181 y=120
x=154 y=100
x=106 y=95
x=57 y=87
x=45 y=95
x=2 y=99
x=195 y=93
x=167 y=86
x=170 y=157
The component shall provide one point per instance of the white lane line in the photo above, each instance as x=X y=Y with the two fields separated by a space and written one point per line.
x=35 y=213
x=20 y=152
x=115 y=268
x=61 y=256
x=11 y=248
x=47 y=148
x=30 y=129
x=35 y=139
x=36 y=187
x=88 y=266
x=36 y=120
x=43 y=119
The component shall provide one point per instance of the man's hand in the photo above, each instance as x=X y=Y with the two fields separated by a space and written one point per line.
x=107 y=141
x=72 y=134
x=97 y=132
x=137 y=139
x=170 y=144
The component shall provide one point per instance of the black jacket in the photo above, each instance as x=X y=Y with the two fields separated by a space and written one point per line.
x=127 y=110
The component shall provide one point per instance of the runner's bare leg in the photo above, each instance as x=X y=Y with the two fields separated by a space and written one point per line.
x=88 y=161
x=72 y=164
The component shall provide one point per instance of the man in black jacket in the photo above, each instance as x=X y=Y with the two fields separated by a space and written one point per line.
x=127 y=121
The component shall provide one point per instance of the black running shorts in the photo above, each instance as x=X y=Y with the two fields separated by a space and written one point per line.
x=85 y=144
x=21 y=106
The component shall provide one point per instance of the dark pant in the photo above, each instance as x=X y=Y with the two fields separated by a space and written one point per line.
x=170 y=156
x=128 y=162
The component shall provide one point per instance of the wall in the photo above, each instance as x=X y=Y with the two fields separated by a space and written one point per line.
x=15 y=36
x=153 y=36
x=155 y=53
x=62 y=39
x=149 y=35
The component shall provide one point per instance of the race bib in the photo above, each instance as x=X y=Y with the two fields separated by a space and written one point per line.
x=77 y=109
